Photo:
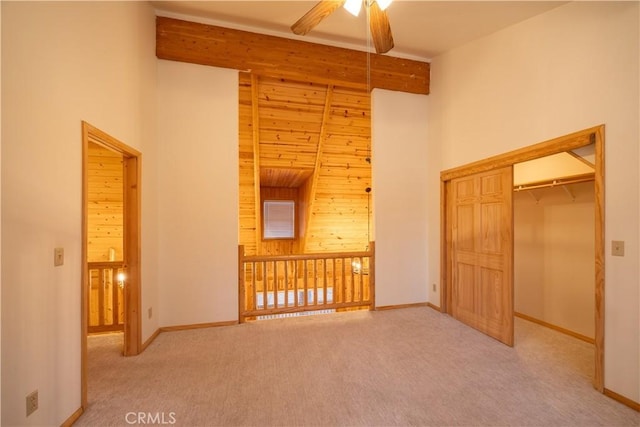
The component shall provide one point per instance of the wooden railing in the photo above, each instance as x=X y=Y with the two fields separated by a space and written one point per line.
x=106 y=296
x=294 y=283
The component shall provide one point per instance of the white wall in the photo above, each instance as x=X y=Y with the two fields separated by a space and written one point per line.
x=198 y=202
x=568 y=69
x=554 y=257
x=402 y=179
x=62 y=63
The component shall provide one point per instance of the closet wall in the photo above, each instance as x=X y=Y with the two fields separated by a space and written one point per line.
x=554 y=244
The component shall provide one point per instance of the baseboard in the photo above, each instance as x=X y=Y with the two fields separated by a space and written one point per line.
x=397 y=306
x=150 y=340
x=198 y=326
x=435 y=307
x=624 y=400
x=73 y=418
x=555 y=328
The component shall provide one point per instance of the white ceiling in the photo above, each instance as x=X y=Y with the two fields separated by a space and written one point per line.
x=421 y=29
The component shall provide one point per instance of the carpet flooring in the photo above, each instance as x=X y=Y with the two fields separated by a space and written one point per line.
x=410 y=366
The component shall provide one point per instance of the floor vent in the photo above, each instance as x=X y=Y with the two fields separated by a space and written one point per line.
x=298 y=314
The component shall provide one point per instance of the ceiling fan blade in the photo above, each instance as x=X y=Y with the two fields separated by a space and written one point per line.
x=312 y=18
x=380 y=28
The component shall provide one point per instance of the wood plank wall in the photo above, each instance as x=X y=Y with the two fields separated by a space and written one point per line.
x=281 y=246
x=105 y=210
x=297 y=123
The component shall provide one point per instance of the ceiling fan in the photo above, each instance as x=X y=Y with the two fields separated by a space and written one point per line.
x=378 y=19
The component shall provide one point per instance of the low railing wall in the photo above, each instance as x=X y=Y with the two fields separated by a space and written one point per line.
x=294 y=283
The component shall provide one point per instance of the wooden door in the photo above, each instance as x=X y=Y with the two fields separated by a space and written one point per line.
x=482 y=252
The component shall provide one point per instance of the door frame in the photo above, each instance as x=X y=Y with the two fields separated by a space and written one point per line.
x=132 y=160
x=594 y=135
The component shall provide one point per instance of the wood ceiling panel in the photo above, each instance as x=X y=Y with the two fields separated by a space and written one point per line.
x=289 y=178
x=292 y=118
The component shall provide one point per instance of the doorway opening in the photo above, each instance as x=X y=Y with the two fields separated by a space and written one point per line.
x=565 y=143
x=111 y=244
x=554 y=284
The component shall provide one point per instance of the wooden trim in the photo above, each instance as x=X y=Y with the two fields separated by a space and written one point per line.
x=97 y=136
x=624 y=400
x=302 y=257
x=149 y=340
x=132 y=191
x=546 y=148
x=598 y=380
x=316 y=169
x=372 y=275
x=241 y=285
x=399 y=306
x=564 y=143
x=132 y=256
x=435 y=307
x=84 y=271
x=255 y=131
x=555 y=328
x=198 y=326
x=73 y=418
x=282 y=58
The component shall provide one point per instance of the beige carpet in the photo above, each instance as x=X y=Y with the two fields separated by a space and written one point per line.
x=399 y=367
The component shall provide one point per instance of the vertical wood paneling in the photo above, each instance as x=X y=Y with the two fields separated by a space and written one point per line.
x=246 y=209
x=313 y=131
x=105 y=205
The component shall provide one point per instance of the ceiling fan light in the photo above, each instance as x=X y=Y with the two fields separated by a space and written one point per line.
x=384 y=3
x=353 y=6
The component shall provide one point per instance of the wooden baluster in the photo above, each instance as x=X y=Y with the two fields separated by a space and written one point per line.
x=344 y=281
x=361 y=293
x=315 y=282
x=286 y=283
x=114 y=296
x=254 y=272
x=265 y=285
x=101 y=309
x=306 y=285
x=276 y=290
x=324 y=281
x=295 y=284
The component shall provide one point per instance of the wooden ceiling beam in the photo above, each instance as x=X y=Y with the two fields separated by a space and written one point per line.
x=278 y=57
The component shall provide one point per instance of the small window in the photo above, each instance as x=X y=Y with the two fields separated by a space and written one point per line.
x=279 y=219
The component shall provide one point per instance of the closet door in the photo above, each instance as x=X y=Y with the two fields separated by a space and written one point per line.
x=482 y=252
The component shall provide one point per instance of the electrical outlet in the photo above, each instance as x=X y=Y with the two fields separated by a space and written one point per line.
x=617 y=247
x=434 y=287
x=150 y=312
x=32 y=402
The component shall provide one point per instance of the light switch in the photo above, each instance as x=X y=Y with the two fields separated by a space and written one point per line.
x=617 y=247
x=58 y=257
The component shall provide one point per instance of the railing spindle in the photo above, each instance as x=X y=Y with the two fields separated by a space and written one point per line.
x=315 y=282
x=325 y=285
x=276 y=290
x=306 y=284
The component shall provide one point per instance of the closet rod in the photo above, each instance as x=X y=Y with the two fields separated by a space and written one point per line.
x=554 y=183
